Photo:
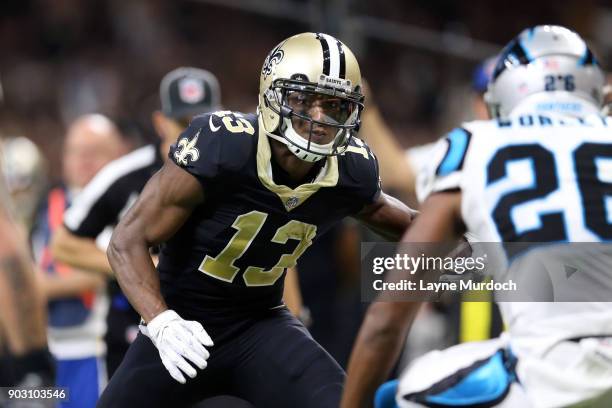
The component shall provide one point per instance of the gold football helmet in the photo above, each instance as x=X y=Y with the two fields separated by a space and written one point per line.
x=310 y=95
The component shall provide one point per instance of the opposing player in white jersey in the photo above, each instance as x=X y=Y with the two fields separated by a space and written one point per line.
x=540 y=171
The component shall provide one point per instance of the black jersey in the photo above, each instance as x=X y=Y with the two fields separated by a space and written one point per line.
x=230 y=256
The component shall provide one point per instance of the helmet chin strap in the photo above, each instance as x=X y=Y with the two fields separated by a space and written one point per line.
x=298 y=145
x=304 y=155
x=297 y=151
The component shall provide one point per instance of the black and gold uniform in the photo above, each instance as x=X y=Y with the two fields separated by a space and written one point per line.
x=229 y=258
x=225 y=268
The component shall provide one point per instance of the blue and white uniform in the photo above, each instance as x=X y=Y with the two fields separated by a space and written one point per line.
x=533 y=177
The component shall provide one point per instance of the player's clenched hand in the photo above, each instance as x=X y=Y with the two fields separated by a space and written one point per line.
x=178 y=340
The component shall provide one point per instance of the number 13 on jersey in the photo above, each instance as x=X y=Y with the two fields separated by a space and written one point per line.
x=248 y=226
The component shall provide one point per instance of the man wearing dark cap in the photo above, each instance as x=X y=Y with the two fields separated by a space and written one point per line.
x=82 y=240
x=184 y=93
x=185 y=90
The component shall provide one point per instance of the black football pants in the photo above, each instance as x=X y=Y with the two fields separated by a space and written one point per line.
x=273 y=363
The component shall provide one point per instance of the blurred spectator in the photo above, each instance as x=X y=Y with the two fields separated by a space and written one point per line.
x=22 y=316
x=91 y=142
x=184 y=92
x=77 y=302
x=24 y=168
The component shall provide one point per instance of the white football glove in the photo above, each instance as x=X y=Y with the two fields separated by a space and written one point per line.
x=178 y=340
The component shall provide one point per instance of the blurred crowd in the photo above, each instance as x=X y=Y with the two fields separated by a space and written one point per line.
x=82 y=85
x=64 y=58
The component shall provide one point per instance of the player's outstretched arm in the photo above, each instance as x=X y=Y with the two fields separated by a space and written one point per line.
x=387 y=216
x=386 y=324
x=163 y=207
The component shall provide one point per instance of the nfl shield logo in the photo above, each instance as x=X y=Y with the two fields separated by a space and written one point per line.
x=291 y=203
x=191 y=90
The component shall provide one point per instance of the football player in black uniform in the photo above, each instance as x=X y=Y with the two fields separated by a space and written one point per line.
x=243 y=196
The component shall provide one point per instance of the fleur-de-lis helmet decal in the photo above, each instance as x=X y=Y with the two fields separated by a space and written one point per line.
x=275 y=56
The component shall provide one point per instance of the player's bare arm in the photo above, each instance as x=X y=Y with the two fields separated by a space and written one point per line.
x=21 y=302
x=387 y=216
x=386 y=324
x=163 y=207
x=58 y=287
x=79 y=252
x=165 y=204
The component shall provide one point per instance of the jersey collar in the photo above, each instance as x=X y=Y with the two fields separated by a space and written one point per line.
x=292 y=197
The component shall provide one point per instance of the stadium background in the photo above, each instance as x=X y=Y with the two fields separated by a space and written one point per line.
x=62 y=58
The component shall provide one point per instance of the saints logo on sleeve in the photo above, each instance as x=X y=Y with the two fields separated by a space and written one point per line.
x=212 y=143
x=186 y=150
